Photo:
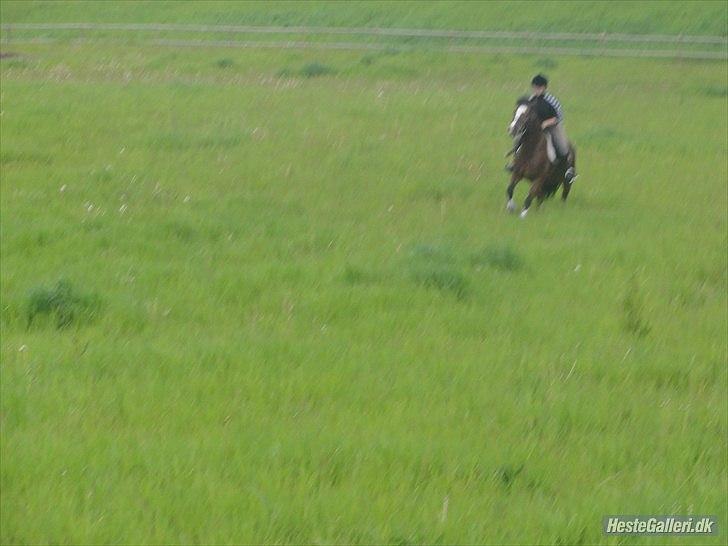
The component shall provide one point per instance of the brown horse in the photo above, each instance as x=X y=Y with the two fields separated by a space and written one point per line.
x=531 y=159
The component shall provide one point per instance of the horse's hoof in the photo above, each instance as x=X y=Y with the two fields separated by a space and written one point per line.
x=511 y=206
x=523 y=213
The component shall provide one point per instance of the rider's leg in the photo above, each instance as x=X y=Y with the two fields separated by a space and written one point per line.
x=561 y=143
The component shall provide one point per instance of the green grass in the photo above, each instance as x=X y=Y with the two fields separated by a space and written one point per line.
x=300 y=312
x=665 y=17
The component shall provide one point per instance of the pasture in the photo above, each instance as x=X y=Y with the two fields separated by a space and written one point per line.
x=259 y=295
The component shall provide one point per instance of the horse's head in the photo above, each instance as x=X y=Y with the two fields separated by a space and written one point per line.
x=521 y=116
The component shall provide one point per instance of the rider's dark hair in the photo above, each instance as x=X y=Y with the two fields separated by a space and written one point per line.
x=540 y=80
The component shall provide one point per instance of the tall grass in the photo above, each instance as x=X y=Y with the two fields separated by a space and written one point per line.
x=317 y=323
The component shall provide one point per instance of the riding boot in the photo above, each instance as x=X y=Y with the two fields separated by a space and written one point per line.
x=570 y=175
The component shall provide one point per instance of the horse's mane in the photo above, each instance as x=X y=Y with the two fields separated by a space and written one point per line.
x=528 y=101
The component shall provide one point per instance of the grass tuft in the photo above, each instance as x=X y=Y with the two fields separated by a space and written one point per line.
x=309 y=70
x=546 y=63
x=357 y=276
x=507 y=474
x=316 y=69
x=436 y=266
x=63 y=303
x=445 y=279
x=225 y=63
x=501 y=257
x=633 y=309
x=716 y=91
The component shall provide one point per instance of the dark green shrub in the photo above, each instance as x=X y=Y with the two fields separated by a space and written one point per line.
x=315 y=69
x=501 y=257
x=63 y=304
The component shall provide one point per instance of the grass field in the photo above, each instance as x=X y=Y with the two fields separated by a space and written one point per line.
x=668 y=17
x=273 y=296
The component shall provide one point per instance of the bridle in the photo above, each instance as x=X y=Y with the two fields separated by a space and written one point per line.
x=524 y=126
x=518 y=137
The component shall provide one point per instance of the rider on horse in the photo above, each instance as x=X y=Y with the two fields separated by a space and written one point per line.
x=551 y=116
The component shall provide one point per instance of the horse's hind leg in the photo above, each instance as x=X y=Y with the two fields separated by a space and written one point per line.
x=570 y=174
x=571 y=162
x=511 y=204
x=566 y=188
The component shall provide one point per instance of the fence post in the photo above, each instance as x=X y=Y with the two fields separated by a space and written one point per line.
x=680 y=46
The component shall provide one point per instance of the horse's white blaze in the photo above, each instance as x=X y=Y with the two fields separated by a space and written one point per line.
x=519 y=112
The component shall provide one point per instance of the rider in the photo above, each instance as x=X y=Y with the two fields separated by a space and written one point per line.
x=548 y=109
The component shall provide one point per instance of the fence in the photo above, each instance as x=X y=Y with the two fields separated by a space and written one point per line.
x=582 y=44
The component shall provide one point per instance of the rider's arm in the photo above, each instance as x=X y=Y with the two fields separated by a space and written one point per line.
x=547 y=113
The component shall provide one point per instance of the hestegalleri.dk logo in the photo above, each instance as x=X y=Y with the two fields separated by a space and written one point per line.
x=660 y=525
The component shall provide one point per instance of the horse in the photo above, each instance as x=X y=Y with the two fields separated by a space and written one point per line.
x=531 y=159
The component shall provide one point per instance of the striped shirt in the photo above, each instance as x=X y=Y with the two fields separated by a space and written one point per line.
x=548 y=106
x=554 y=102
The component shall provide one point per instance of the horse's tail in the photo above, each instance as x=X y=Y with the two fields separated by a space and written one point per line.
x=550 y=187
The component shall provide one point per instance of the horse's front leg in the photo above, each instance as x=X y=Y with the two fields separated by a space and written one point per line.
x=534 y=192
x=511 y=204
